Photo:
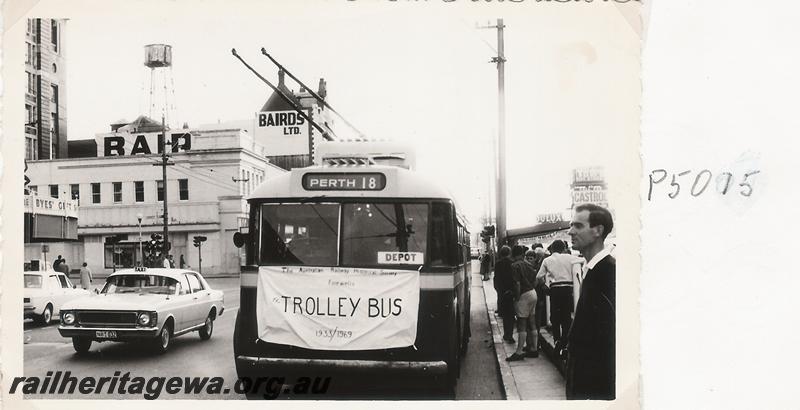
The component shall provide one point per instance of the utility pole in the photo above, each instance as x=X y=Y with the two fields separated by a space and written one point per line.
x=500 y=154
x=164 y=178
x=164 y=144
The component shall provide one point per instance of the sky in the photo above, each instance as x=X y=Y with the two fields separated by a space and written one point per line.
x=408 y=70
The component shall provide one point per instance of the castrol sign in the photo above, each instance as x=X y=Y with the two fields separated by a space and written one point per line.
x=283 y=132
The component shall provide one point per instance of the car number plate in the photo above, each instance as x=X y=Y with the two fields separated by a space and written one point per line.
x=106 y=334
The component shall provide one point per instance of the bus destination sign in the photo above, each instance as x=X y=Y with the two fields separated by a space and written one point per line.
x=340 y=181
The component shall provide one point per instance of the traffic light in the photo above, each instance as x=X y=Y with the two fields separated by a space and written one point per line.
x=155 y=244
x=487 y=234
x=198 y=240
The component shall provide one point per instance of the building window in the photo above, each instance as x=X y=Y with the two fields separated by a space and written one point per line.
x=183 y=189
x=31 y=83
x=159 y=190
x=36 y=25
x=117 y=191
x=30 y=26
x=75 y=192
x=138 y=187
x=54 y=34
x=30 y=144
x=54 y=135
x=30 y=126
x=54 y=89
x=54 y=191
x=95 y=193
x=30 y=54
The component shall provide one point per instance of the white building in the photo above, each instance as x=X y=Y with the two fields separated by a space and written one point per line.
x=214 y=169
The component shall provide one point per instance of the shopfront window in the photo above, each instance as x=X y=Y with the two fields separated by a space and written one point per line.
x=124 y=255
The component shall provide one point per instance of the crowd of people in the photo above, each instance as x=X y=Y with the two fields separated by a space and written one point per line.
x=585 y=335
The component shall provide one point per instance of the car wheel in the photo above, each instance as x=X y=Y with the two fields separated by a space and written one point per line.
x=164 y=339
x=207 y=329
x=46 y=316
x=81 y=344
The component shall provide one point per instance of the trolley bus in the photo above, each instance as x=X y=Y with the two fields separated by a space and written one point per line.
x=354 y=270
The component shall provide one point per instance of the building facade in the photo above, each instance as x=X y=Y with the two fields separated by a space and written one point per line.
x=45 y=96
x=120 y=194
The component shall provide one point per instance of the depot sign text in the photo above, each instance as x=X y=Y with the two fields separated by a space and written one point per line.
x=119 y=145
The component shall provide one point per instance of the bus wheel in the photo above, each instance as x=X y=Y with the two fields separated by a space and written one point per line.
x=447 y=390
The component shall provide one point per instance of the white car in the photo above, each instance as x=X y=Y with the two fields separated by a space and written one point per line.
x=46 y=292
x=150 y=305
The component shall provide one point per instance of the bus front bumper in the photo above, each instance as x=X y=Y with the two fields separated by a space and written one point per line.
x=274 y=365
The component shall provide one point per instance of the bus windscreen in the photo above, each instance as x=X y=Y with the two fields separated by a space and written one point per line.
x=384 y=234
x=299 y=234
x=373 y=234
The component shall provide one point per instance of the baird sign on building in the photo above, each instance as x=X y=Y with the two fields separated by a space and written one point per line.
x=146 y=143
x=283 y=132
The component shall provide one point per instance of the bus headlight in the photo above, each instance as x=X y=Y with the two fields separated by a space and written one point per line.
x=144 y=319
x=68 y=318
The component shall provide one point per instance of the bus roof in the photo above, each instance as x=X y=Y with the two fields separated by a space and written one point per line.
x=399 y=183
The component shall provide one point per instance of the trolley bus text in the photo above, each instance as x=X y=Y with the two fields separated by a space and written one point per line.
x=341 y=307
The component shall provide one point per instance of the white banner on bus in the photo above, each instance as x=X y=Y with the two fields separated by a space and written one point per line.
x=337 y=308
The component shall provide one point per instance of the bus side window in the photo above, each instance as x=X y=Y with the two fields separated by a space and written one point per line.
x=441 y=235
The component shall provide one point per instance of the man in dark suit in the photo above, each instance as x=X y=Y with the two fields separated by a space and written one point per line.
x=591 y=343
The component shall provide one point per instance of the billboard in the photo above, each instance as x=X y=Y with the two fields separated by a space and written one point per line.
x=595 y=194
x=125 y=144
x=283 y=132
x=588 y=176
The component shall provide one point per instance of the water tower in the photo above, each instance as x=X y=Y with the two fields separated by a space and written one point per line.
x=158 y=58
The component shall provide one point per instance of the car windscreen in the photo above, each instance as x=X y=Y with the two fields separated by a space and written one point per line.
x=152 y=284
x=299 y=234
x=375 y=234
x=33 y=281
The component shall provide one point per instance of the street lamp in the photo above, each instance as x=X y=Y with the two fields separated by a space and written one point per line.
x=141 y=249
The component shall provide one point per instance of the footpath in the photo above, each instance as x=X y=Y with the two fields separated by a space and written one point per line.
x=530 y=379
